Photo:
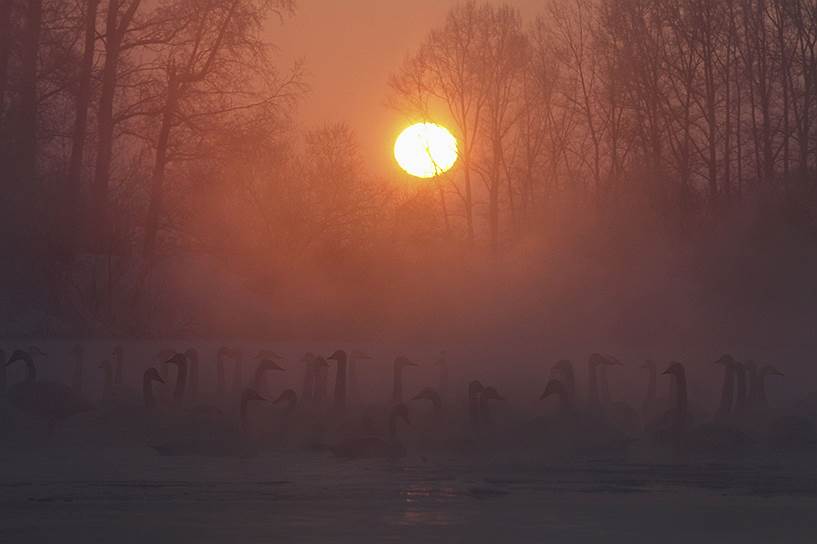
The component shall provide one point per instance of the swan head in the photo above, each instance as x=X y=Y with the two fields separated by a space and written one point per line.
x=649 y=363
x=250 y=394
x=675 y=369
x=307 y=357
x=400 y=411
x=609 y=360
x=402 y=362
x=269 y=364
x=475 y=388
x=491 y=393
x=223 y=352
x=726 y=360
x=20 y=355
x=554 y=387
x=597 y=359
x=338 y=355
x=177 y=359
x=769 y=370
x=289 y=396
x=427 y=394
x=269 y=354
x=165 y=354
x=320 y=362
x=36 y=351
x=152 y=374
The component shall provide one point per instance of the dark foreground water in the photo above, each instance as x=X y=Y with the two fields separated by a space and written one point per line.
x=123 y=496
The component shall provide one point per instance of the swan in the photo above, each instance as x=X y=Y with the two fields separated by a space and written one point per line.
x=488 y=394
x=111 y=391
x=180 y=361
x=369 y=447
x=400 y=363
x=238 y=371
x=51 y=401
x=222 y=439
x=118 y=362
x=265 y=365
x=577 y=432
x=727 y=388
x=321 y=381
x=563 y=371
x=712 y=437
x=341 y=361
x=192 y=356
x=259 y=380
x=432 y=396
x=475 y=390
x=308 y=387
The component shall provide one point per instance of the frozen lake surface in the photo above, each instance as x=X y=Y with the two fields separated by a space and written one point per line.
x=134 y=495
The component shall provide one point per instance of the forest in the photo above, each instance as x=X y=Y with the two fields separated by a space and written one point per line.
x=625 y=168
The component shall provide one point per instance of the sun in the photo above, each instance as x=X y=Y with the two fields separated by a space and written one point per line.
x=426 y=150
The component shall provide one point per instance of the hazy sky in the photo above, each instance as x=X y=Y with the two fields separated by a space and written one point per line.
x=351 y=47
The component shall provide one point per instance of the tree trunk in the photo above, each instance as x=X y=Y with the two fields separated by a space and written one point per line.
x=5 y=50
x=157 y=180
x=27 y=162
x=70 y=224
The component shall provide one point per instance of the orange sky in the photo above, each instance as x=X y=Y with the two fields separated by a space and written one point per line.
x=351 y=47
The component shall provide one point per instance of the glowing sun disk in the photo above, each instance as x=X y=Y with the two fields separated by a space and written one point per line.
x=426 y=150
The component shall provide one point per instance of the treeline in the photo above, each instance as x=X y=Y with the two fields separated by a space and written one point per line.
x=109 y=109
x=684 y=107
x=154 y=179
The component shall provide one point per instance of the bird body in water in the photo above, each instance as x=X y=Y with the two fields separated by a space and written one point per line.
x=222 y=439
x=711 y=437
x=371 y=447
x=50 y=401
x=574 y=432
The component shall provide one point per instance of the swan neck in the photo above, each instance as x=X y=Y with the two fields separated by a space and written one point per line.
x=651 y=382
x=397 y=388
x=118 y=369
x=76 y=379
x=593 y=386
x=108 y=381
x=340 y=385
x=727 y=391
x=605 y=386
x=147 y=393
x=181 y=381
x=309 y=383
x=220 y=376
